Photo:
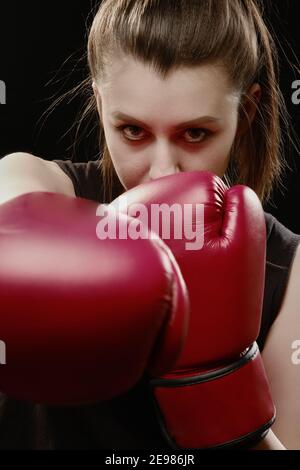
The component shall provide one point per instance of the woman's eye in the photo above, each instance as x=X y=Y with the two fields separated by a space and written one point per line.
x=196 y=135
x=192 y=136
x=132 y=132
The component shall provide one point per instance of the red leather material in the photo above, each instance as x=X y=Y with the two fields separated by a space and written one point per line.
x=215 y=413
x=82 y=318
x=224 y=274
x=225 y=280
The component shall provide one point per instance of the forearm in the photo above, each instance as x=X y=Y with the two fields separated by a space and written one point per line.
x=270 y=442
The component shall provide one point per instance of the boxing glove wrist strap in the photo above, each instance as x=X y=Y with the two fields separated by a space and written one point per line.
x=206 y=376
x=223 y=408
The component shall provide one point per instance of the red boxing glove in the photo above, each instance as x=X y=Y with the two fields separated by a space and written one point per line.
x=82 y=318
x=217 y=395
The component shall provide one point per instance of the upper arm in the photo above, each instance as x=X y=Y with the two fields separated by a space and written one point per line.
x=22 y=173
x=282 y=370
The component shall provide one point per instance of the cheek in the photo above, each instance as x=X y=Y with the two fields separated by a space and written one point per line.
x=130 y=171
x=214 y=157
x=219 y=153
x=220 y=164
x=129 y=167
x=219 y=159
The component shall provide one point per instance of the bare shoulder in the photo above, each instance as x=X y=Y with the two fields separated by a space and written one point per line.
x=22 y=172
x=63 y=180
x=279 y=358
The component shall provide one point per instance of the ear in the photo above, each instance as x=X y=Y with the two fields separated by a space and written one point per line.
x=98 y=99
x=249 y=108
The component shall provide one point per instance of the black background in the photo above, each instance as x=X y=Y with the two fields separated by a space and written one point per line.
x=42 y=48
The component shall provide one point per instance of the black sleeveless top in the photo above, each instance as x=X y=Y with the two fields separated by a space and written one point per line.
x=128 y=421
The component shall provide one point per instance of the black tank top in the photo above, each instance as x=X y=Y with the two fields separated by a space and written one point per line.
x=128 y=421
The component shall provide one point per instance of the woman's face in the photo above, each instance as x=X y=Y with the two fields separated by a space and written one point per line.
x=155 y=127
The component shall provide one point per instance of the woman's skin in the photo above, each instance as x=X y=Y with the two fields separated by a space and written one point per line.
x=159 y=138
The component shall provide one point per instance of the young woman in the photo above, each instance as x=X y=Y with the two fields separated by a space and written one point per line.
x=178 y=86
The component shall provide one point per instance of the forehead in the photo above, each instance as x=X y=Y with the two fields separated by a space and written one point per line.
x=132 y=86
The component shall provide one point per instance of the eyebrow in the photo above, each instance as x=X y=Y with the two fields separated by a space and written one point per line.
x=193 y=122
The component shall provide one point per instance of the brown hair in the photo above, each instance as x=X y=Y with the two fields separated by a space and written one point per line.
x=169 y=34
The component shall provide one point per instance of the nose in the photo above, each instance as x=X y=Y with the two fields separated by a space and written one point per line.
x=163 y=164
